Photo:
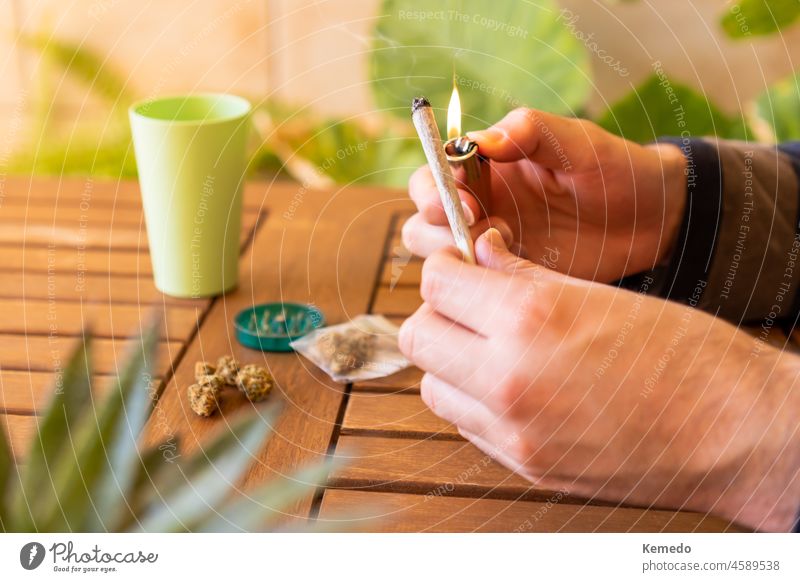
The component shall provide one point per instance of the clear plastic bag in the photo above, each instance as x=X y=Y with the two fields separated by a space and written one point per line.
x=361 y=349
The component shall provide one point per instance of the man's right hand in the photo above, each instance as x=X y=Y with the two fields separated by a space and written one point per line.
x=564 y=187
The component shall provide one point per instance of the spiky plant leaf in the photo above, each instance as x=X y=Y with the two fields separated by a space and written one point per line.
x=264 y=505
x=94 y=450
x=132 y=396
x=6 y=467
x=209 y=477
x=77 y=473
x=99 y=470
x=53 y=439
x=153 y=466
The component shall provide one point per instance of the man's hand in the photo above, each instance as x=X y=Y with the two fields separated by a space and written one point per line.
x=609 y=206
x=607 y=393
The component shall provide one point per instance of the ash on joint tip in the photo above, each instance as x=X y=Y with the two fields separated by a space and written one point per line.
x=419 y=102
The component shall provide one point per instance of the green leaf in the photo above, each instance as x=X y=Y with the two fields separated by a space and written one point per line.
x=256 y=509
x=505 y=54
x=52 y=444
x=80 y=469
x=133 y=397
x=660 y=107
x=759 y=17
x=152 y=466
x=208 y=477
x=6 y=469
x=779 y=107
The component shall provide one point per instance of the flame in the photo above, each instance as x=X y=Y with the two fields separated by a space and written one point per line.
x=454 y=115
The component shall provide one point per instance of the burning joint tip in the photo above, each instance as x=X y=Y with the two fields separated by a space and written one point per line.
x=419 y=102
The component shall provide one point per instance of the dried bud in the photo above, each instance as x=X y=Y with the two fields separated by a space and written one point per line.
x=347 y=350
x=255 y=382
x=203 y=369
x=227 y=368
x=211 y=381
x=203 y=398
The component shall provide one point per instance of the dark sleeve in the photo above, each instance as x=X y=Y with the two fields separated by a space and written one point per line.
x=738 y=247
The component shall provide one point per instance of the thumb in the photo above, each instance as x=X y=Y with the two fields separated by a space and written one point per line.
x=491 y=251
x=555 y=142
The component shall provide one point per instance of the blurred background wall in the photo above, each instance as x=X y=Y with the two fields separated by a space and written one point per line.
x=315 y=55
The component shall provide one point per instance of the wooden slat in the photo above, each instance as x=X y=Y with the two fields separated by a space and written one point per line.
x=45 y=191
x=30 y=316
x=397 y=512
x=402 y=415
x=87 y=288
x=397 y=301
x=108 y=261
x=46 y=354
x=29 y=392
x=124 y=237
x=42 y=191
x=71 y=214
x=339 y=281
x=403 y=381
x=426 y=467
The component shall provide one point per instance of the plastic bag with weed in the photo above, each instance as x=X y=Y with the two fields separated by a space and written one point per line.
x=361 y=349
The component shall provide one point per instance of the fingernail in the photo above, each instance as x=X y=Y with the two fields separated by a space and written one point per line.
x=495 y=238
x=491 y=134
x=468 y=215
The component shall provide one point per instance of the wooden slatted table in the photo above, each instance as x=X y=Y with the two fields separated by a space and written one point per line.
x=74 y=252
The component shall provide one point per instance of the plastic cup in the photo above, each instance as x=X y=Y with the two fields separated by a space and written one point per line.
x=190 y=154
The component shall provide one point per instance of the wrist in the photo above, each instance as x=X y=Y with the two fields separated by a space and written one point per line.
x=672 y=164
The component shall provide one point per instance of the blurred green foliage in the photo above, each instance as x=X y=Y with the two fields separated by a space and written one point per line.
x=780 y=108
x=505 y=54
x=757 y=17
x=661 y=107
x=501 y=55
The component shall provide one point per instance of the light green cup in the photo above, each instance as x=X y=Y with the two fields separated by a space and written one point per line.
x=190 y=153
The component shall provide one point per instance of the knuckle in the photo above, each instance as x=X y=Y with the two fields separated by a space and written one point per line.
x=525 y=112
x=426 y=389
x=431 y=287
x=599 y=144
x=408 y=233
x=536 y=301
x=510 y=392
x=406 y=338
x=522 y=451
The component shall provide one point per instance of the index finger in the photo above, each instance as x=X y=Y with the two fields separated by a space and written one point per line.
x=484 y=300
x=423 y=191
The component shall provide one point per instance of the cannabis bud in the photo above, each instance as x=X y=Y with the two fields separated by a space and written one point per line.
x=227 y=369
x=348 y=350
x=204 y=398
x=255 y=382
x=203 y=369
